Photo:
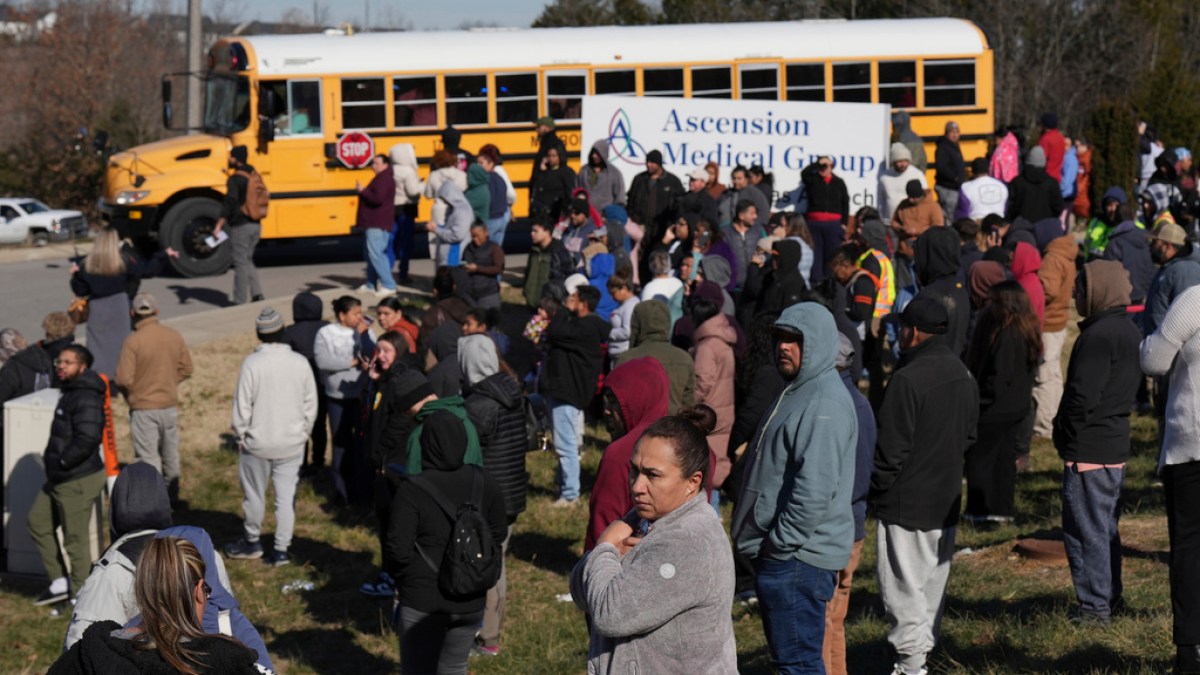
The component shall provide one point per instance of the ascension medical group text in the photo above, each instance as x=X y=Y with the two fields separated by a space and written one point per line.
x=786 y=154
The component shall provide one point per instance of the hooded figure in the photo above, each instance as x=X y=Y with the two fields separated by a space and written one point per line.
x=602 y=267
x=496 y=407
x=1026 y=264
x=789 y=284
x=1129 y=245
x=450 y=235
x=478 y=194
x=799 y=476
x=716 y=342
x=307 y=317
x=604 y=183
x=650 y=336
x=456 y=406
x=641 y=390
x=936 y=258
x=404 y=170
x=445 y=376
x=716 y=269
x=138 y=508
x=903 y=132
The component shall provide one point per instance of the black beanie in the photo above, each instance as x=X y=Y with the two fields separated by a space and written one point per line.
x=240 y=154
x=412 y=388
x=654 y=156
x=914 y=189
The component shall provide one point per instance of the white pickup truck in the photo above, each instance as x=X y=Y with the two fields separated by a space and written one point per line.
x=26 y=220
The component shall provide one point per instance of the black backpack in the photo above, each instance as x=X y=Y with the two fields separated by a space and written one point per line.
x=471 y=564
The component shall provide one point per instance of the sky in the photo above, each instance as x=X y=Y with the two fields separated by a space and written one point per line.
x=420 y=14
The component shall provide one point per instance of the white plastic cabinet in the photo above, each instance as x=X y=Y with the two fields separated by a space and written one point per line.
x=26 y=430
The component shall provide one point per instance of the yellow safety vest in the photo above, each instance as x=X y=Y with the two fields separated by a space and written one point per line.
x=885 y=283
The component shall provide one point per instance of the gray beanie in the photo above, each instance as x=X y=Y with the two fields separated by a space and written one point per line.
x=900 y=153
x=1037 y=157
x=269 y=321
x=477 y=358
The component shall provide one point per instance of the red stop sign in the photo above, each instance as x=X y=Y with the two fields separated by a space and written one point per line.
x=355 y=149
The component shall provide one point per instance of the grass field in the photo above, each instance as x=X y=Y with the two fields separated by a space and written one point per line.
x=1005 y=614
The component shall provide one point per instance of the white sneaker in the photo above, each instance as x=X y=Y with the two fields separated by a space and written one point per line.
x=901 y=670
x=364 y=289
x=385 y=292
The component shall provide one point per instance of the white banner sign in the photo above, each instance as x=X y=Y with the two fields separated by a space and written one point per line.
x=783 y=137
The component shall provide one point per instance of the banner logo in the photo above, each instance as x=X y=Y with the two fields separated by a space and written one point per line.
x=621 y=140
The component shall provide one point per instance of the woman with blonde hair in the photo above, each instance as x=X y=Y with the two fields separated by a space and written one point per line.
x=171 y=593
x=109 y=277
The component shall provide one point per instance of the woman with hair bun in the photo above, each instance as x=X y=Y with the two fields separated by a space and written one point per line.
x=659 y=584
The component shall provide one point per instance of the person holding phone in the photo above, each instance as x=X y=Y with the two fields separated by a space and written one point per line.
x=342 y=351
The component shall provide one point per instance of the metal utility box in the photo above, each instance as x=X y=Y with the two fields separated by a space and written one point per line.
x=26 y=430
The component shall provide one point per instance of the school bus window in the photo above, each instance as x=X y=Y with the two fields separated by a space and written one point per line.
x=516 y=98
x=364 y=105
x=564 y=92
x=466 y=99
x=852 y=82
x=805 y=81
x=304 y=107
x=898 y=83
x=416 y=101
x=227 y=104
x=949 y=83
x=760 y=82
x=616 y=82
x=662 y=82
x=712 y=83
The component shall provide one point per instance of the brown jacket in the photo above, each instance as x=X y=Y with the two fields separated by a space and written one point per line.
x=715 y=365
x=154 y=360
x=913 y=218
x=1058 y=279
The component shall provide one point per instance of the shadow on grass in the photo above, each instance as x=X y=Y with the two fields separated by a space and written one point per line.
x=1002 y=652
x=333 y=650
x=550 y=553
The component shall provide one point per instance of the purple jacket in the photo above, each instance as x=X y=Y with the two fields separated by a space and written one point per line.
x=376 y=203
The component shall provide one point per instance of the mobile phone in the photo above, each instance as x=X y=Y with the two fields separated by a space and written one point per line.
x=368 y=319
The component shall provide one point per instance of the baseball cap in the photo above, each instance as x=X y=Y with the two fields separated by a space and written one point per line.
x=926 y=315
x=144 y=304
x=574 y=281
x=698 y=174
x=1170 y=233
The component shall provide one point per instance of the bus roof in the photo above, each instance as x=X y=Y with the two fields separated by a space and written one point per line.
x=317 y=54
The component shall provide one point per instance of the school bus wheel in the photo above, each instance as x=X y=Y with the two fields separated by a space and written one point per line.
x=184 y=228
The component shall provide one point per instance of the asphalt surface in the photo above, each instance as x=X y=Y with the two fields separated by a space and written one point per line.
x=201 y=308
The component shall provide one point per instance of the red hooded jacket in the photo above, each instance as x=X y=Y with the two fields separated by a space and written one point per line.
x=642 y=391
x=1025 y=265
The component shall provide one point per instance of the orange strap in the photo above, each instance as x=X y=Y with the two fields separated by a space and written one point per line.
x=109 y=436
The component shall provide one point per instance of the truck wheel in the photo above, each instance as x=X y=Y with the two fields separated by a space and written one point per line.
x=39 y=238
x=185 y=228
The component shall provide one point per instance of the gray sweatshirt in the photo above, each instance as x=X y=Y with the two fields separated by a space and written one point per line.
x=275 y=404
x=664 y=606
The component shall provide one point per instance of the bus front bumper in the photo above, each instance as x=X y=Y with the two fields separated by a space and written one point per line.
x=131 y=221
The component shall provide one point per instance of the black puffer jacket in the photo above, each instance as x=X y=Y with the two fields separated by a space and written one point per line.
x=496 y=406
x=19 y=374
x=73 y=449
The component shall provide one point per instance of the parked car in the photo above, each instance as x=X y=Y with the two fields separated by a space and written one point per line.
x=26 y=220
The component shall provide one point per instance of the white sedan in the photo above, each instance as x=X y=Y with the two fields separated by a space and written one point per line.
x=25 y=220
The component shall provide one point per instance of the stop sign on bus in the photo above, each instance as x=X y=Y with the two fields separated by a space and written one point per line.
x=355 y=149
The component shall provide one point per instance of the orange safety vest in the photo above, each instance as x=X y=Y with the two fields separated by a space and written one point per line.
x=109 y=435
x=885 y=283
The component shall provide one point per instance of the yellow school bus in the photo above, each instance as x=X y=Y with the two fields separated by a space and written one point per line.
x=290 y=98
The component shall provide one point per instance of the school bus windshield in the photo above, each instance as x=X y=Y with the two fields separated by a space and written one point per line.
x=227 y=104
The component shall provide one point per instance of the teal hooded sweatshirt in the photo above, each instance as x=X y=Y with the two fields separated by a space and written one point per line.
x=795 y=500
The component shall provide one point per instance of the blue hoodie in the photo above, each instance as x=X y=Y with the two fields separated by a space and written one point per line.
x=799 y=480
x=602 y=267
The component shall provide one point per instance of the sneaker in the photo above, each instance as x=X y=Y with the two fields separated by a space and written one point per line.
x=278 y=558
x=382 y=587
x=51 y=596
x=385 y=292
x=747 y=599
x=244 y=550
x=901 y=670
x=365 y=289
x=563 y=502
x=484 y=650
x=257 y=298
x=1082 y=619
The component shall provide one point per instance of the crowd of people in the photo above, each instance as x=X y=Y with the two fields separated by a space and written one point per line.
x=806 y=363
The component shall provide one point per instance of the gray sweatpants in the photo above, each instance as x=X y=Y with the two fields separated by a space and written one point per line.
x=244 y=238
x=155 y=435
x=284 y=474
x=913 y=567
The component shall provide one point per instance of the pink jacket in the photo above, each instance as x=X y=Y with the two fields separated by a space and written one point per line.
x=1006 y=160
x=715 y=340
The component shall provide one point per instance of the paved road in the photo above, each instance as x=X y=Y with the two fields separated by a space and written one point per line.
x=31 y=289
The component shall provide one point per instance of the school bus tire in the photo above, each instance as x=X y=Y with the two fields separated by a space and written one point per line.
x=184 y=228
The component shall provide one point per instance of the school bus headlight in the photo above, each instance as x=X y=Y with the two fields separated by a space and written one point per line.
x=131 y=196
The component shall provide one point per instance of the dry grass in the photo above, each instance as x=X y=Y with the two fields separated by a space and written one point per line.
x=1005 y=614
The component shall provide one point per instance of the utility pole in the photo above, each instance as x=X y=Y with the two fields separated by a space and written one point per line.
x=194 y=37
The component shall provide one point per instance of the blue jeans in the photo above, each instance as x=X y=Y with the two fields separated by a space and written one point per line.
x=496 y=228
x=792 y=597
x=568 y=432
x=1091 y=511
x=375 y=243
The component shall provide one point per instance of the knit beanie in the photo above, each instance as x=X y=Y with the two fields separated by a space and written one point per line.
x=239 y=153
x=1037 y=157
x=269 y=321
x=900 y=153
x=655 y=157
